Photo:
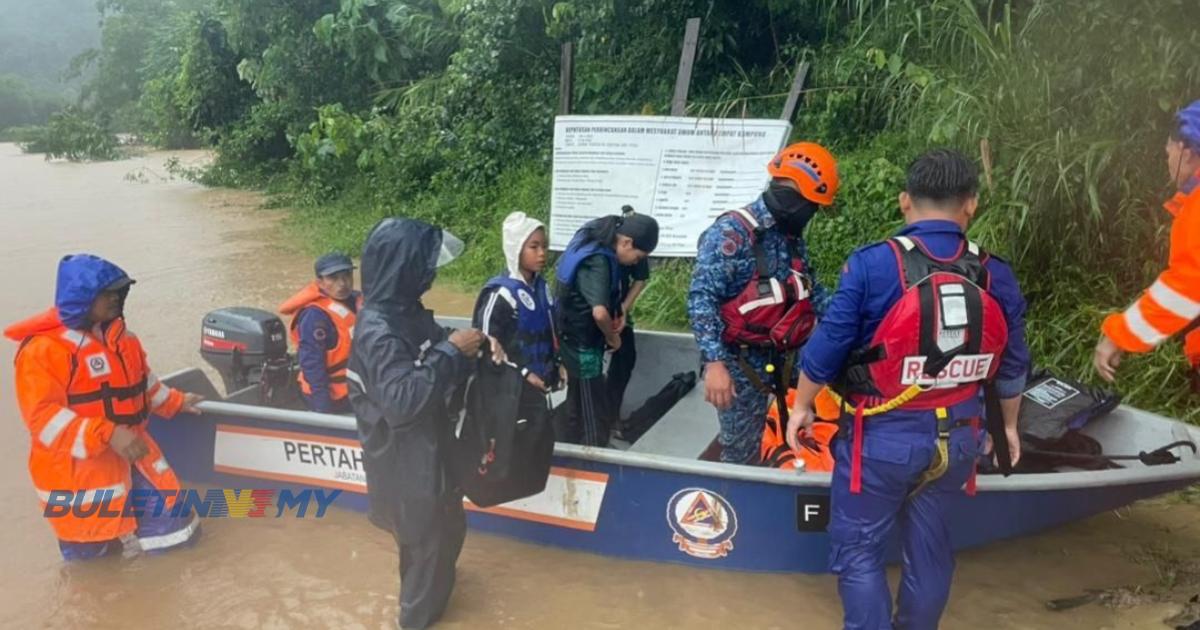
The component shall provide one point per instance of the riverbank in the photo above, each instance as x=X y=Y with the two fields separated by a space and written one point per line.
x=194 y=249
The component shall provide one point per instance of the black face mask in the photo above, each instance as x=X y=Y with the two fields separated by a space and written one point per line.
x=791 y=210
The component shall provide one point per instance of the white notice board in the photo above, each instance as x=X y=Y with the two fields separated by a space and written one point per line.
x=682 y=171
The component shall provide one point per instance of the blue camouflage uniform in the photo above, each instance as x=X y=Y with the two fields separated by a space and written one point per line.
x=725 y=264
x=899 y=445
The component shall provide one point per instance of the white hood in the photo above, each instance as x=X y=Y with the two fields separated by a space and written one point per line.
x=516 y=230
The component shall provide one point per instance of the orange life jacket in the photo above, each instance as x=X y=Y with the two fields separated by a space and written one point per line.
x=73 y=388
x=336 y=358
x=1172 y=303
x=817 y=454
x=1191 y=348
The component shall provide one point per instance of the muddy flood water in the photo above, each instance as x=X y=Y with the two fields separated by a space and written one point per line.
x=194 y=249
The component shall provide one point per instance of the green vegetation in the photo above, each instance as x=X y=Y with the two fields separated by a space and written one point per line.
x=21 y=135
x=351 y=110
x=37 y=41
x=73 y=136
x=22 y=104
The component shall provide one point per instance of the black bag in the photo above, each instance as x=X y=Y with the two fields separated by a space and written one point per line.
x=506 y=441
x=1053 y=410
x=657 y=406
x=1053 y=405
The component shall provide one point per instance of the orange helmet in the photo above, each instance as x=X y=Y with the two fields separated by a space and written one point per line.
x=813 y=169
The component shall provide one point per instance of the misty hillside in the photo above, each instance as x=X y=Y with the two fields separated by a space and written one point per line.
x=39 y=39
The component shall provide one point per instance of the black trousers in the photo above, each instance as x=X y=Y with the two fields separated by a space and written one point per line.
x=427 y=567
x=620 y=370
x=589 y=422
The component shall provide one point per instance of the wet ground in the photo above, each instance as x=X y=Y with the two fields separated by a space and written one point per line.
x=193 y=249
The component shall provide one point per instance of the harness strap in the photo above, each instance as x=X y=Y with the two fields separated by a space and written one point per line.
x=861 y=411
x=856 y=451
x=994 y=415
x=974 y=320
x=975 y=464
x=108 y=394
x=107 y=391
x=751 y=374
x=777 y=389
x=760 y=259
x=927 y=335
x=760 y=254
x=783 y=379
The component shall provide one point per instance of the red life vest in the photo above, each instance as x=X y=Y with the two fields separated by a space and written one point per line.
x=960 y=336
x=769 y=313
x=961 y=332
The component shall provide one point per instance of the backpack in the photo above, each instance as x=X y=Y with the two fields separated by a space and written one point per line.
x=506 y=440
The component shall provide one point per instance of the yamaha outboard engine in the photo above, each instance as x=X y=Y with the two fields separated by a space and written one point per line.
x=248 y=347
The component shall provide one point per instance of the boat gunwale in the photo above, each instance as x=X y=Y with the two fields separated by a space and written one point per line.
x=1187 y=468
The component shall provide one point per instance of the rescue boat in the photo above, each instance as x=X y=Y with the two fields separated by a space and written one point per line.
x=664 y=498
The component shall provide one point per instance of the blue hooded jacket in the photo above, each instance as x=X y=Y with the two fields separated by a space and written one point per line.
x=1188 y=120
x=81 y=278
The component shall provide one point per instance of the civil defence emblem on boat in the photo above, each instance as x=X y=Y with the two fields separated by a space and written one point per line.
x=703 y=521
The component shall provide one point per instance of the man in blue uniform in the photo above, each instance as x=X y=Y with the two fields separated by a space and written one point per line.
x=898 y=447
x=323 y=315
x=728 y=265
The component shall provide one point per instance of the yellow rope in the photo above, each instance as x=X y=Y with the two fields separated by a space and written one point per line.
x=904 y=398
x=941 y=457
x=937 y=467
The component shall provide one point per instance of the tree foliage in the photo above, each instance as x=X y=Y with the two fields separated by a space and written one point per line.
x=22 y=104
x=72 y=135
x=443 y=109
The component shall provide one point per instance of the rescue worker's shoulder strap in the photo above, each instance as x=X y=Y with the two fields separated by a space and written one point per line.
x=905 y=244
x=902 y=247
x=746 y=218
x=910 y=251
x=755 y=231
x=984 y=256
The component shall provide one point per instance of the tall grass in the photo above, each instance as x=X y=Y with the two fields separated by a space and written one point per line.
x=1073 y=98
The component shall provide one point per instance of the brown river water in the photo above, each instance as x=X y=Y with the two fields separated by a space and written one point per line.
x=194 y=249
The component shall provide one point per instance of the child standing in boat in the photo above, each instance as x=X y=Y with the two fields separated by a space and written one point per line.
x=588 y=314
x=515 y=307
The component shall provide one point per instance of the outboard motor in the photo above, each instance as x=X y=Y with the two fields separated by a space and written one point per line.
x=248 y=346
